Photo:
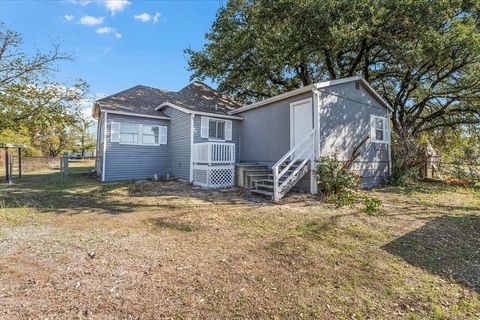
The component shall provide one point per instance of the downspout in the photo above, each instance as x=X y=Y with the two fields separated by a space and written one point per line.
x=97 y=147
x=104 y=146
x=192 y=133
x=389 y=146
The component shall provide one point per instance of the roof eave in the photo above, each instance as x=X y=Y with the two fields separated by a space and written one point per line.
x=273 y=99
x=369 y=87
x=96 y=110
x=185 y=110
x=318 y=85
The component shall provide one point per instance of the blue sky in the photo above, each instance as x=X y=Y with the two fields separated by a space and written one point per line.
x=116 y=43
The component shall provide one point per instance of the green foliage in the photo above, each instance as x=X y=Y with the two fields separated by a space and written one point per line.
x=458 y=153
x=39 y=111
x=85 y=141
x=344 y=199
x=372 y=205
x=334 y=182
x=422 y=56
x=332 y=178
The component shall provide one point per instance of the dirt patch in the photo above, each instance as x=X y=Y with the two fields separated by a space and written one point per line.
x=152 y=250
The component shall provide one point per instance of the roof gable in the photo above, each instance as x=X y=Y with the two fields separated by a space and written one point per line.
x=196 y=96
x=139 y=99
x=311 y=87
x=199 y=96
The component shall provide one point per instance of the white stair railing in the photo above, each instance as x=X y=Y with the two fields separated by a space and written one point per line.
x=304 y=152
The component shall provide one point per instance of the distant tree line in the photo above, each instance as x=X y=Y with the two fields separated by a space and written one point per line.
x=34 y=108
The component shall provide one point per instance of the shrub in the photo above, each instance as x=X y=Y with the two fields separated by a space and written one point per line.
x=332 y=178
x=372 y=205
x=344 y=199
x=335 y=182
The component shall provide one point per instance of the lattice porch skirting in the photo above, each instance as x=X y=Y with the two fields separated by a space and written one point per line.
x=214 y=176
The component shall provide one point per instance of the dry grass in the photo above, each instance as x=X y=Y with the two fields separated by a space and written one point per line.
x=166 y=250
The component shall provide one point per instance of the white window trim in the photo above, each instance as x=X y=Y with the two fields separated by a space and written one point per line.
x=385 y=129
x=140 y=135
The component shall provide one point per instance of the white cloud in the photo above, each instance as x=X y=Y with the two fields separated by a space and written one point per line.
x=156 y=17
x=86 y=104
x=91 y=21
x=80 y=2
x=146 y=17
x=109 y=30
x=68 y=17
x=115 y=6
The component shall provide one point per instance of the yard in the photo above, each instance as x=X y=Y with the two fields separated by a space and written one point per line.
x=147 y=250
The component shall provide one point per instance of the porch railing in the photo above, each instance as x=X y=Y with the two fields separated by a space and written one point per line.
x=213 y=152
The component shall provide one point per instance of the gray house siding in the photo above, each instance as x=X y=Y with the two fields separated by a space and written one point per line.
x=235 y=134
x=124 y=162
x=265 y=131
x=179 y=140
x=344 y=123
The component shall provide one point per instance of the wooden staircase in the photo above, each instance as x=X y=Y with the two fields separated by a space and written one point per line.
x=265 y=185
x=276 y=181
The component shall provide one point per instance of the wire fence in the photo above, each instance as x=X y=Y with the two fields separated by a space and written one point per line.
x=47 y=169
x=443 y=170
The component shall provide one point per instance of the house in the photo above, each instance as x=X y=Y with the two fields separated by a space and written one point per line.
x=203 y=137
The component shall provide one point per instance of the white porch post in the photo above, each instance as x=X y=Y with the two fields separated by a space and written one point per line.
x=316 y=143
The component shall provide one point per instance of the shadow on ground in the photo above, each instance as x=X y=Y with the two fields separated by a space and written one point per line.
x=72 y=194
x=448 y=246
x=84 y=193
x=425 y=187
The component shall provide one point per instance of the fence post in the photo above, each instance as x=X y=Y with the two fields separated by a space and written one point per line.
x=64 y=165
x=10 y=169
x=19 y=162
x=7 y=170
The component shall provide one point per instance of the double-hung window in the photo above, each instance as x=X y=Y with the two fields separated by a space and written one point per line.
x=216 y=129
x=135 y=133
x=129 y=133
x=150 y=134
x=379 y=131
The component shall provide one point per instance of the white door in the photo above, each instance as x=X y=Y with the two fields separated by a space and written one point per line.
x=301 y=122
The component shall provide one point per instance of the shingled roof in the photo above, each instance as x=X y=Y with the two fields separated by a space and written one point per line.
x=197 y=96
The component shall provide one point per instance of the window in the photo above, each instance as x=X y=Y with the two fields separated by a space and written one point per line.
x=379 y=129
x=128 y=133
x=150 y=134
x=135 y=133
x=216 y=129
